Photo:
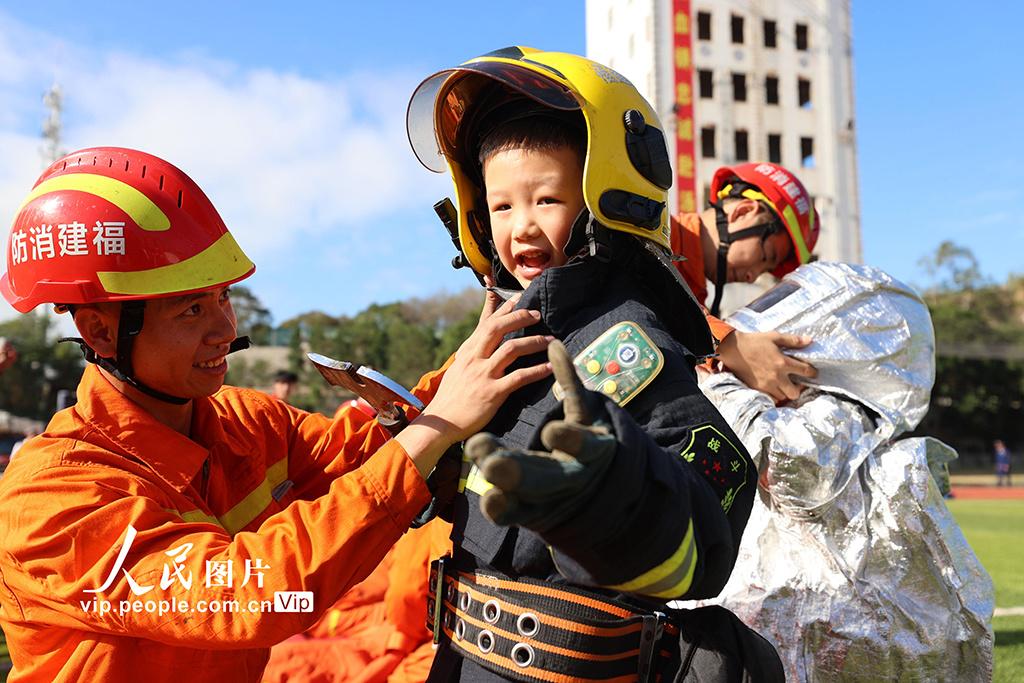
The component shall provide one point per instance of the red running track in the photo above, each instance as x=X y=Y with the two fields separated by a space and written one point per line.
x=989 y=492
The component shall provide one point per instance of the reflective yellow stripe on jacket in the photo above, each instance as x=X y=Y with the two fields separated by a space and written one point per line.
x=671 y=578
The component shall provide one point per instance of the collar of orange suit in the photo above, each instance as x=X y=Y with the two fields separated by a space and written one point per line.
x=133 y=431
x=686 y=229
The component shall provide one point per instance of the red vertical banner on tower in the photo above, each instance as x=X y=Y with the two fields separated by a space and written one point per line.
x=682 y=56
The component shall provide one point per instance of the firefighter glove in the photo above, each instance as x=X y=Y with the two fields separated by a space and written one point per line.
x=541 y=489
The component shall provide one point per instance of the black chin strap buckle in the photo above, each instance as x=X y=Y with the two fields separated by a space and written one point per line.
x=90 y=355
x=597 y=244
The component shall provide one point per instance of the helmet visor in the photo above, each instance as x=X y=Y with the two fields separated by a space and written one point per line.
x=441 y=101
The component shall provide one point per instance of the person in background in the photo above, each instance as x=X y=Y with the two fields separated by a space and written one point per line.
x=1002 y=457
x=284 y=384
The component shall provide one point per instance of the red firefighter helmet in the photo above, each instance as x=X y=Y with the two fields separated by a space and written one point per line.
x=784 y=193
x=113 y=224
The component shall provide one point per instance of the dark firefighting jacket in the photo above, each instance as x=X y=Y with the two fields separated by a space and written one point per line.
x=666 y=520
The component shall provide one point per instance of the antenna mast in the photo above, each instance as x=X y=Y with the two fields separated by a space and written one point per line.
x=53 y=99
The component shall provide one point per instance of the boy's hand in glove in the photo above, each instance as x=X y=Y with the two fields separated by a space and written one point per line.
x=537 y=489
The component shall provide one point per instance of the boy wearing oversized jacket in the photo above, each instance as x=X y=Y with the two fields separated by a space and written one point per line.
x=574 y=529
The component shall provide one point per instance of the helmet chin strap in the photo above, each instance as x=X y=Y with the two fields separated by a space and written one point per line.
x=725 y=240
x=128 y=327
x=596 y=239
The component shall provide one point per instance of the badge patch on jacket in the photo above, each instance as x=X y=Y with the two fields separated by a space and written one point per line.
x=619 y=363
x=722 y=464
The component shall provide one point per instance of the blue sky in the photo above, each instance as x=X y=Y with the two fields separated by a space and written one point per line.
x=291 y=117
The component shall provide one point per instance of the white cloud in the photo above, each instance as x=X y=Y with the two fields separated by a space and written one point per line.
x=20 y=163
x=283 y=156
x=16 y=40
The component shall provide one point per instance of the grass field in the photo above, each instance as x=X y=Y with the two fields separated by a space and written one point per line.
x=995 y=529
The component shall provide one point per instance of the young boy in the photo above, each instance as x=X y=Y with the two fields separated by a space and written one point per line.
x=760 y=220
x=565 y=554
x=148 y=532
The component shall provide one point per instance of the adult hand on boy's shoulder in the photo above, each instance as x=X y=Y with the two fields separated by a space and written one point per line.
x=758 y=359
x=541 y=489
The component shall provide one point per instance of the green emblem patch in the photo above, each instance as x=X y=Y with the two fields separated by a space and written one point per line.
x=619 y=363
x=720 y=462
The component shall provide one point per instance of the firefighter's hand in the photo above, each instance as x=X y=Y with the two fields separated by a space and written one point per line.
x=476 y=383
x=757 y=358
x=541 y=489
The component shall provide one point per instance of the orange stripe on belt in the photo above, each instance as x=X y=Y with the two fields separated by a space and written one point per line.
x=542 y=674
x=558 y=622
x=523 y=587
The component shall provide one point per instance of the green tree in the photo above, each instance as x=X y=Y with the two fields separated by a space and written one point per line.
x=973 y=402
x=975 y=399
x=29 y=387
x=254 y=318
x=365 y=337
x=973 y=317
x=966 y=307
x=309 y=332
x=953 y=268
x=403 y=340
x=443 y=310
x=453 y=336
x=410 y=350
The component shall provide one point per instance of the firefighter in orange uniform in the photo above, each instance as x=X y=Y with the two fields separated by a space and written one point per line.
x=761 y=220
x=167 y=528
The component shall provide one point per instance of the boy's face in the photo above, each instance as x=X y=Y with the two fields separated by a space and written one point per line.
x=533 y=199
x=184 y=342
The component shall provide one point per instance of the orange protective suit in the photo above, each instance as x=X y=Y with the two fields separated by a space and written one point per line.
x=263 y=498
x=406 y=600
x=377 y=631
x=349 y=643
x=686 y=242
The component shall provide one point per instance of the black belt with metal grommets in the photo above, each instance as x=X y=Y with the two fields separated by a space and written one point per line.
x=529 y=630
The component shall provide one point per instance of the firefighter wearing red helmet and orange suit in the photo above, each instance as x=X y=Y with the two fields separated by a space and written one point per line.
x=167 y=527
x=760 y=220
